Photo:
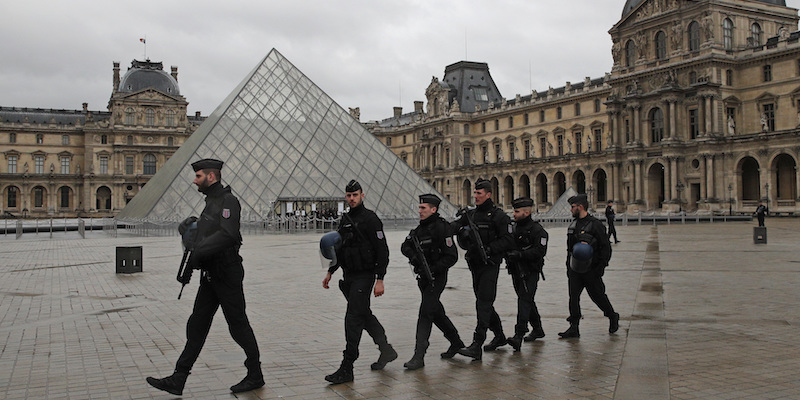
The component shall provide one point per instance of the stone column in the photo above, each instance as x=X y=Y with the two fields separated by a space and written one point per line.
x=668 y=179
x=707 y=115
x=672 y=120
x=637 y=125
x=714 y=115
x=703 y=177
x=710 y=184
x=674 y=181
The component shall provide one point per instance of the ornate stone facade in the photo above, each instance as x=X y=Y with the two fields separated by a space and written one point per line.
x=68 y=163
x=701 y=111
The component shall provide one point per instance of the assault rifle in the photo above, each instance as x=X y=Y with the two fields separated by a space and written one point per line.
x=476 y=237
x=424 y=266
x=189 y=236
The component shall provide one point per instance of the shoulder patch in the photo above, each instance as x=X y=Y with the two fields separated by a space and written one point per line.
x=380 y=235
x=510 y=228
x=448 y=241
x=543 y=241
x=226 y=213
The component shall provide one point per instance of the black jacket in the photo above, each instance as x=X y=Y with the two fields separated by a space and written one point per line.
x=218 y=227
x=494 y=227
x=530 y=239
x=364 y=249
x=436 y=241
x=590 y=230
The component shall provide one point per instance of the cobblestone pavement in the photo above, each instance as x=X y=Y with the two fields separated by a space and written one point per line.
x=706 y=314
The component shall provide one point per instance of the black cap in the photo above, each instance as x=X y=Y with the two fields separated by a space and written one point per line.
x=430 y=198
x=579 y=199
x=207 y=163
x=352 y=186
x=483 y=184
x=522 y=202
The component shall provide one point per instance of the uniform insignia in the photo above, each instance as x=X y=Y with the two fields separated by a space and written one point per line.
x=226 y=213
x=380 y=235
x=510 y=228
x=449 y=242
x=544 y=241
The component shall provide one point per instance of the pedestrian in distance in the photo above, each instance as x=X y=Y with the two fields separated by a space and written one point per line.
x=588 y=254
x=363 y=257
x=216 y=255
x=431 y=251
x=525 y=262
x=761 y=213
x=610 y=216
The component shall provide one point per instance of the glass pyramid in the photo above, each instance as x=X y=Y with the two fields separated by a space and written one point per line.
x=284 y=141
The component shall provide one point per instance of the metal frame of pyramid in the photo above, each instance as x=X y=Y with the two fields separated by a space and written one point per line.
x=282 y=139
x=561 y=208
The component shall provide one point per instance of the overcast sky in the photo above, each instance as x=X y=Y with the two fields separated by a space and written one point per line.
x=373 y=54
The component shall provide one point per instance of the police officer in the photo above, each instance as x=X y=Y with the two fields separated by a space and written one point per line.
x=587 y=272
x=216 y=254
x=610 y=216
x=363 y=256
x=434 y=237
x=761 y=212
x=494 y=229
x=525 y=261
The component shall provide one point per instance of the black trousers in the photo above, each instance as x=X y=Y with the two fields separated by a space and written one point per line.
x=358 y=317
x=592 y=281
x=221 y=287
x=760 y=219
x=612 y=230
x=431 y=311
x=484 y=285
x=526 y=304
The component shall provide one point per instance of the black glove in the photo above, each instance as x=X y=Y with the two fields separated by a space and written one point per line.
x=186 y=277
x=184 y=226
x=193 y=262
x=514 y=255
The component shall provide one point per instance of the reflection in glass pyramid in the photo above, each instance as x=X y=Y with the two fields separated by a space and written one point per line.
x=285 y=145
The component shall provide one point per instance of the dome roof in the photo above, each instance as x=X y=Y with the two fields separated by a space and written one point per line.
x=632 y=4
x=148 y=75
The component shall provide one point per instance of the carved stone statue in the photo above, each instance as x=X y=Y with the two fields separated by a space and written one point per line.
x=356 y=113
x=708 y=27
x=569 y=146
x=764 y=124
x=455 y=107
x=549 y=148
x=731 y=125
x=677 y=36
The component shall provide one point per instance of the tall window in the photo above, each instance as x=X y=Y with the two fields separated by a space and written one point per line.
x=39 y=138
x=527 y=144
x=511 y=122
x=38 y=197
x=11 y=197
x=755 y=34
x=627 y=130
x=525 y=119
x=543 y=146
x=149 y=165
x=498 y=155
x=171 y=141
x=170 y=119
x=129 y=140
x=38 y=163
x=149 y=117
x=485 y=154
x=103 y=139
x=103 y=165
x=694 y=36
x=467 y=156
x=447 y=158
x=541 y=115
x=130 y=116
x=129 y=165
x=64 y=165
x=769 y=115
x=483 y=127
x=729 y=77
x=12 y=164
x=727 y=34
x=630 y=53
x=661 y=45
x=578 y=143
x=64 y=197
x=767 y=73
x=596 y=105
x=577 y=109
x=65 y=139
x=558 y=112
x=694 y=124
x=598 y=140
x=560 y=141
x=512 y=147
x=656 y=125
x=497 y=124
x=12 y=137
x=388 y=141
x=466 y=132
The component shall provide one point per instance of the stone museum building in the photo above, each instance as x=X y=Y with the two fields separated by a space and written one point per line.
x=700 y=111
x=67 y=163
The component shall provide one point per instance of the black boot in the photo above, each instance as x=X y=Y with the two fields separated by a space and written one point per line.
x=613 y=323
x=516 y=341
x=342 y=375
x=499 y=340
x=387 y=355
x=253 y=380
x=535 y=334
x=473 y=351
x=572 y=332
x=172 y=384
x=415 y=362
x=453 y=349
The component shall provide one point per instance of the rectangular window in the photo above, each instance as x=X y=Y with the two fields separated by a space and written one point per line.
x=103 y=165
x=497 y=124
x=64 y=165
x=38 y=163
x=447 y=158
x=38 y=197
x=129 y=165
x=466 y=130
x=511 y=149
x=560 y=141
x=558 y=112
x=12 y=164
x=404 y=139
x=577 y=109
x=627 y=130
x=694 y=127
x=525 y=119
x=485 y=152
x=541 y=115
x=543 y=146
x=65 y=139
x=12 y=197
x=578 y=143
x=498 y=155
x=389 y=141
x=597 y=105
x=769 y=116
x=483 y=127
x=767 y=73
x=64 y=197
x=510 y=122
x=467 y=156
x=480 y=94
x=527 y=145
x=39 y=138
x=12 y=138
x=598 y=140
x=729 y=77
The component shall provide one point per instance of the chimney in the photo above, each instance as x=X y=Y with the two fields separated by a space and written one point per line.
x=85 y=107
x=116 y=76
x=418 y=107
x=398 y=111
x=174 y=72
x=197 y=114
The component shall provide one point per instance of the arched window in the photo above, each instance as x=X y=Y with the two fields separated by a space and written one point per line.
x=694 y=36
x=727 y=34
x=170 y=119
x=661 y=45
x=656 y=125
x=130 y=117
x=630 y=53
x=11 y=197
x=103 y=198
x=64 y=197
x=149 y=165
x=755 y=34
x=149 y=117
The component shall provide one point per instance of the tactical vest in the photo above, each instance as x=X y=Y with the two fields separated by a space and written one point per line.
x=357 y=253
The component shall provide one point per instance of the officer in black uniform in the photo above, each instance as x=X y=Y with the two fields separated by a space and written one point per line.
x=587 y=274
x=436 y=241
x=525 y=262
x=610 y=219
x=363 y=256
x=216 y=254
x=494 y=228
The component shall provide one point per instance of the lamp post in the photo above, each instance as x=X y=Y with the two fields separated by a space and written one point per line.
x=730 y=199
x=679 y=188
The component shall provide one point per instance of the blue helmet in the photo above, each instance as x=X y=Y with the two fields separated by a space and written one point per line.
x=329 y=243
x=581 y=260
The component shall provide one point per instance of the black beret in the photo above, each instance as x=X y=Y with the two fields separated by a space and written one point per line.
x=430 y=198
x=207 y=163
x=579 y=199
x=352 y=186
x=522 y=202
x=483 y=184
